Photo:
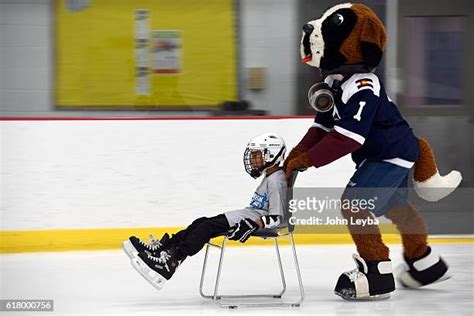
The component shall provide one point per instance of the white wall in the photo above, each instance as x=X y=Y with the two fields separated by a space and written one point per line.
x=268 y=38
x=92 y=174
x=25 y=53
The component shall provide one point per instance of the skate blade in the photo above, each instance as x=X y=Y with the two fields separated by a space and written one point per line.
x=148 y=274
x=129 y=249
x=352 y=297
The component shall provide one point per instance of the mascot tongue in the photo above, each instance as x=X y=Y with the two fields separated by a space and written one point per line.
x=307 y=59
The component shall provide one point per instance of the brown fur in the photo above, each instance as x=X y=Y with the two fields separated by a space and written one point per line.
x=413 y=230
x=367 y=239
x=425 y=165
x=368 y=28
x=299 y=162
x=295 y=152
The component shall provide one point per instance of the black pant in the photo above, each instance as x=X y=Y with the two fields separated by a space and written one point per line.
x=190 y=240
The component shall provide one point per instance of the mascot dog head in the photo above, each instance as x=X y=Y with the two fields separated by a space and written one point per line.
x=346 y=35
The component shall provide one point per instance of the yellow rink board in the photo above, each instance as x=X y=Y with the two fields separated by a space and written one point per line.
x=96 y=62
x=111 y=238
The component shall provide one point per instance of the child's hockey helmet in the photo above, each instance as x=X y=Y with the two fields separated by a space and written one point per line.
x=272 y=149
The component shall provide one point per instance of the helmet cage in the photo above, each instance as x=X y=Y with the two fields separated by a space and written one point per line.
x=266 y=157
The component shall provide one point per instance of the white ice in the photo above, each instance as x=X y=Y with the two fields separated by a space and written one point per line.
x=98 y=282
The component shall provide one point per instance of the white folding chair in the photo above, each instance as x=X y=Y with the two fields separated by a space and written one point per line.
x=275 y=299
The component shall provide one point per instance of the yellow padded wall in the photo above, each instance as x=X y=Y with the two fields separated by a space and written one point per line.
x=95 y=54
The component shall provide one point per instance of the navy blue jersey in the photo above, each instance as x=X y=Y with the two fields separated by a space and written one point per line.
x=364 y=113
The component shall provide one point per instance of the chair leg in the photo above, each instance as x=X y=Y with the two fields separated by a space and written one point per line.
x=275 y=303
x=217 y=298
x=203 y=273
x=219 y=269
x=298 y=273
x=282 y=274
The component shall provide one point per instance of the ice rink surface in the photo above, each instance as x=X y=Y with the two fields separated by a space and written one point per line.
x=104 y=282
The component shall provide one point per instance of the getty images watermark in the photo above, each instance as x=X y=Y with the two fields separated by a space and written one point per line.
x=326 y=211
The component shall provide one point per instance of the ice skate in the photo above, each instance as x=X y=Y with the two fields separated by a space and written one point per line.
x=157 y=269
x=371 y=280
x=133 y=245
x=428 y=269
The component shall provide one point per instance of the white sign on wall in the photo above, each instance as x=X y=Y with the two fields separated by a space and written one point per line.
x=166 y=51
x=142 y=86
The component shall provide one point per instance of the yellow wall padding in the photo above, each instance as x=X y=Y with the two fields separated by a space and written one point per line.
x=95 y=54
x=111 y=238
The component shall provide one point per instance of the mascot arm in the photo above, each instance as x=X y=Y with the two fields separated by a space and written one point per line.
x=323 y=124
x=312 y=137
x=331 y=148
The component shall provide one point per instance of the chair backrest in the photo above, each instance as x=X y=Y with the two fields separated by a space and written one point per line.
x=287 y=226
x=291 y=183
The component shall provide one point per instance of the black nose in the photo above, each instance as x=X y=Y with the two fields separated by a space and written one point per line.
x=308 y=28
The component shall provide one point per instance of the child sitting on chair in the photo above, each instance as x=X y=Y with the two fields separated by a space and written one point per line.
x=157 y=261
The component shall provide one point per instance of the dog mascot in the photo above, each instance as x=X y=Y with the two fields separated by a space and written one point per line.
x=355 y=115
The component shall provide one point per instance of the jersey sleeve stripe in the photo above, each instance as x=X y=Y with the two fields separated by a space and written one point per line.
x=401 y=162
x=327 y=129
x=358 y=138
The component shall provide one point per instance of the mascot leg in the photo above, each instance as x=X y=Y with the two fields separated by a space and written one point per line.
x=367 y=239
x=379 y=184
x=373 y=278
x=423 y=266
x=413 y=230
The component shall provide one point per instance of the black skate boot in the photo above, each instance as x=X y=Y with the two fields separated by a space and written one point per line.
x=427 y=269
x=134 y=245
x=370 y=280
x=157 y=269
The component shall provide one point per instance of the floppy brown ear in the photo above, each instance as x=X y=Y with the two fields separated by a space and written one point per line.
x=372 y=41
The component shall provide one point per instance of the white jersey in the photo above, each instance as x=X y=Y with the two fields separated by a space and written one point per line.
x=270 y=198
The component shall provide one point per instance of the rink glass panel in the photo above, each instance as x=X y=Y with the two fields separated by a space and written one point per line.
x=433 y=54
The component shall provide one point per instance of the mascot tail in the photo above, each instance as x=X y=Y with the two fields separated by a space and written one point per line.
x=428 y=183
